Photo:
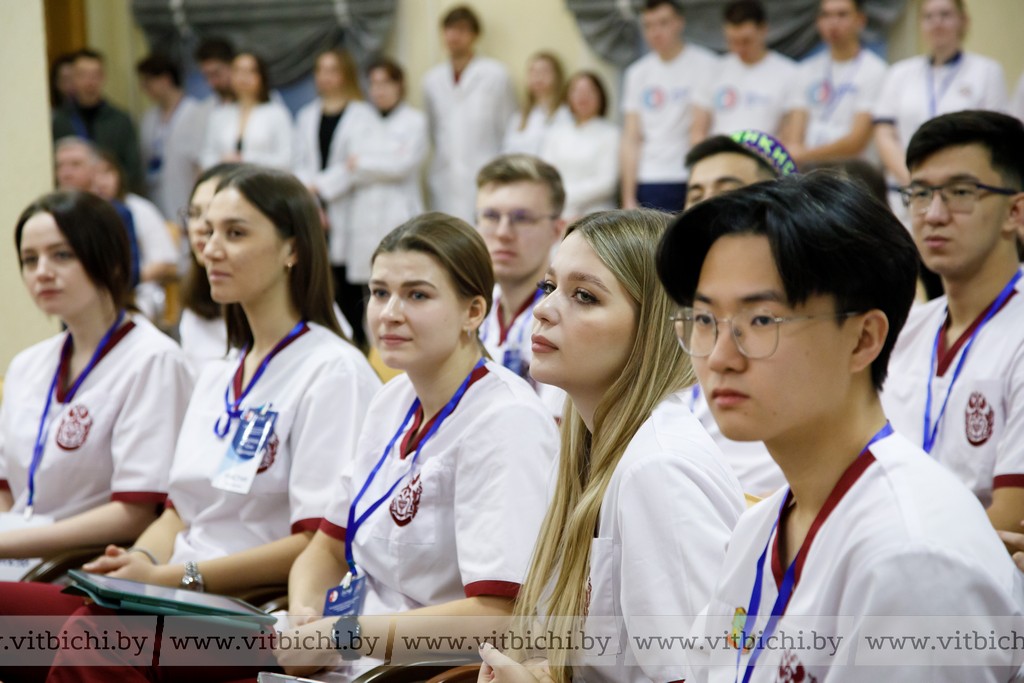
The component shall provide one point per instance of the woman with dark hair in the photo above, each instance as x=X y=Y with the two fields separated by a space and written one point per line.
x=585 y=150
x=325 y=132
x=295 y=398
x=201 y=328
x=85 y=441
x=439 y=512
x=254 y=128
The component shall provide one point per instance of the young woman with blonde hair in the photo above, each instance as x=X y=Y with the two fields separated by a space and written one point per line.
x=643 y=505
x=545 y=106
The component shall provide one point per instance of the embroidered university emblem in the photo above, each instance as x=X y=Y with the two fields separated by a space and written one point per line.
x=74 y=428
x=269 y=453
x=792 y=671
x=739 y=621
x=406 y=504
x=979 y=419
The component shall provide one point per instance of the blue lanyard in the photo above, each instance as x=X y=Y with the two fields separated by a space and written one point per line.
x=836 y=94
x=785 y=590
x=355 y=522
x=233 y=410
x=933 y=97
x=43 y=433
x=931 y=431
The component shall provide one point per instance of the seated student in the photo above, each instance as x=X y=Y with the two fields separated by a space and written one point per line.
x=642 y=531
x=440 y=511
x=519 y=202
x=267 y=260
x=792 y=295
x=720 y=164
x=85 y=442
x=957 y=384
x=201 y=329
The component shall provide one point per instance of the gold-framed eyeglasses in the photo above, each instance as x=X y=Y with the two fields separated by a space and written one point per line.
x=959 y=197
x=755 y=332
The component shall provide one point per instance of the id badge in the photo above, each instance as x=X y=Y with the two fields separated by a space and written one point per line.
x=12 y=569
x=513 y=360
x=346 y=599
x=242 y=460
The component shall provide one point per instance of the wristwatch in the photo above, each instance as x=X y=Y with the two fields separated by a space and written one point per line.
x=346 y=633
x=192 y=580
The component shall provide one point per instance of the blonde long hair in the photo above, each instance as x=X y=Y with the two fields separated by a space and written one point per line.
x=559 y=96
x=556 y=586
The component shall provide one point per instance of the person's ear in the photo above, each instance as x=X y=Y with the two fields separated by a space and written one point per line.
x=476 y=313
x=871 y=329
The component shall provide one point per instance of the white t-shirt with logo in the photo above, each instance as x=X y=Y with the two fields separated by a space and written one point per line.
x=834 y=93
x=749 y=96
x=662 y=94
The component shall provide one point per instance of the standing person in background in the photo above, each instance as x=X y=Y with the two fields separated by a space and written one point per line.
x=172 y=135
x=91 y=117
x=658 y=107
x=253 y=128
x=945 y=80
x=469 y=99
x=1017 y=104
x=325 y=131
x=519 y=203
x=385 y=162
x=543 y=108
x=585 y=149
x=214 y=56
x=830 y=118
x=62 y=81
x=751 y=88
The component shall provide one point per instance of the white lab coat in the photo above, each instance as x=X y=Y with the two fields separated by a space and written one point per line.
x=389 y=157
x=267 y=140
x=467 y=125
x=334 y=183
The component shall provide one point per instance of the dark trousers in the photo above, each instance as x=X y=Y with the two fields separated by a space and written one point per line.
x=669 y=197
x=351 y=299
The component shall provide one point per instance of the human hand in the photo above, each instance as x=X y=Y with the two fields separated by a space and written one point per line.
x=500 y=668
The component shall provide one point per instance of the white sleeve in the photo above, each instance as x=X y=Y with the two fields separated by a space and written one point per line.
x=891 y=595
x=885 y=110
x=155 y=245
x=145 y=432
x=328 y=420
x=1017 y=106
x=1009 y=466
x=867 y=94
x=279 y=153
x=303 y=164
x=995 y=98
x=631 y=91
x=603 y=179
x=211 y=152
x=673 y=545
x=501 y=496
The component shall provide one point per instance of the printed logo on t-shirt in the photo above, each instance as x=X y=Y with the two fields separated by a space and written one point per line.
x=269 y=454
x=792 y=671
x=819 y=93
x=726 y=98
x=406 y=504
x=74 y=428
x=654 y=98
x=979 y=419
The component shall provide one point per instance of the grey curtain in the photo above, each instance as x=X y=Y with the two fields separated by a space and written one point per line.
x=612 y=29
x=286 y=33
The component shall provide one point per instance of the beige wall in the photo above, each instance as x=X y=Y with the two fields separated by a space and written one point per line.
x=109 y=28
x=24 y=162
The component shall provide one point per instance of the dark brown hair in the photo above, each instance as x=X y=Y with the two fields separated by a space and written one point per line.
x=95 y=233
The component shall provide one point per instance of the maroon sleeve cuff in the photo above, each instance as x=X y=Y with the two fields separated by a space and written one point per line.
x=502 y=589
x=333 y=530
x=168 y=504
x=1004 y=481
x=5 y=485
x=311 y=524
x=138 y=497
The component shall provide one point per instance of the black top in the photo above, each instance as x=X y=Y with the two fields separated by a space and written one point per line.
x=328 y=124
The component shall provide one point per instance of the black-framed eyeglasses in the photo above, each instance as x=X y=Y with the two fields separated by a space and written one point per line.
x=959 y=196
x=755 y=332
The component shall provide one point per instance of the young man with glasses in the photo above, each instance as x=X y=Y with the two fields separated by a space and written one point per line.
x=957 y=386
x=519 y=204
x=792 y=295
